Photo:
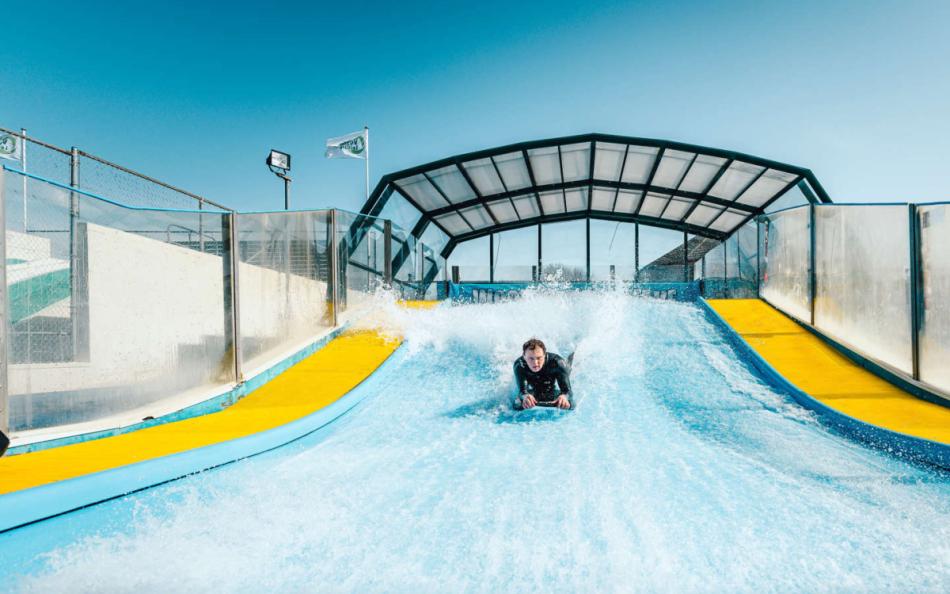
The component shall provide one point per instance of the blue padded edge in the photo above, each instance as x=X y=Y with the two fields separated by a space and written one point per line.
x=45 y=501
x=900 y=444
x=211 y=405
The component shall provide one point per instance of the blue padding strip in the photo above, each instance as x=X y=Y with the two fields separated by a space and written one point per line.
x=32 y=505
x=917 y=448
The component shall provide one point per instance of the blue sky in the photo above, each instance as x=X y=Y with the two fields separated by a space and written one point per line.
x=196 y=93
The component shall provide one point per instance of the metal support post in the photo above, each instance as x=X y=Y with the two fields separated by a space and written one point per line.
x=232 y=265
x=686 y=278
x=916 y=287
x=491 y=257
x=758 y=256
x=812 y=263
x=588 y=249
x=286 y=192
x=455 y=275
x=75 y=298
x=4 y=313
x=540 y=252
x=334 y=270
x=388 y=253
x=725 y=268
x=23 y=143
x=636 y=252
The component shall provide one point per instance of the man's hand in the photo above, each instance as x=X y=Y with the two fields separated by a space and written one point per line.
x=528 y=401
x=562 y=402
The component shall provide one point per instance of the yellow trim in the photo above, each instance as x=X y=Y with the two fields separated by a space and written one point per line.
x=308 y=386
x=419 y=304
x=828 y=376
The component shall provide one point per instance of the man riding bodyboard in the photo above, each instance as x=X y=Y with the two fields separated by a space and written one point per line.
x=543 y=378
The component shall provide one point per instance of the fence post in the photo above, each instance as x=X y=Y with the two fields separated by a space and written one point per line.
x=75 y=296
x=23 y=146
x=387 y=253
x=334 y=269
x=232 y=266
x=916 y=286
x=4 y=317
x=812 y=262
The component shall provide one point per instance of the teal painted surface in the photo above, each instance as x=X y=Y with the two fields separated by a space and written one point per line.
x=33 y=295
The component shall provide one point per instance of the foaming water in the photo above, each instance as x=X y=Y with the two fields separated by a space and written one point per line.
x=678 y=471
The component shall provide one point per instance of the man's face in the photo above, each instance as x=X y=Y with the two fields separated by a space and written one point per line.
x=535 y=359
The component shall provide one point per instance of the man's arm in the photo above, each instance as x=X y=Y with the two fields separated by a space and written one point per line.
x=520 y=377
x=563 y=377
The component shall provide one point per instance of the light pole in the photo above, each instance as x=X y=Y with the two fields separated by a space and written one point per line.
x=279 y=164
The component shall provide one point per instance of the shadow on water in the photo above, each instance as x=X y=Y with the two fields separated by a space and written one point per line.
x=500 y=410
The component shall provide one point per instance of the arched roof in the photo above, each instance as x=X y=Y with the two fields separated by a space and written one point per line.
x=704 y=191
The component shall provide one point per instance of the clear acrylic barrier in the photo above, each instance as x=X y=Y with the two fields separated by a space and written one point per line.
x=785 y=252
x=863 y=280
x=934 y=338
x=112 y=309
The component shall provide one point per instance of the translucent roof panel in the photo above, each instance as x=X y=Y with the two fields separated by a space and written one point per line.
x=703 y=214
x=701 y=173
x=483 y=174
x=552 y=202
x=477 y=217
x=503 y=210
x=576 y=199
x=639 y=164
x=608 y=159
x=546 y=165
x=654 y=204
x=735 y=179
x=527 y=206
x=453 y=223
x=627 y=201
x=422 y=192
x=603 y=199
x=513 y=170
x=575 y=161
x=728 y=220
x=452 y=183
x=672 y=168
x=766 y=187
x=676 y=208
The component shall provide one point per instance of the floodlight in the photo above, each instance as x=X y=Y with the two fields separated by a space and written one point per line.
x=278 y=160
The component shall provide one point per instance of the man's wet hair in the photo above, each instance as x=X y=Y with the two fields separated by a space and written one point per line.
x=533 y=343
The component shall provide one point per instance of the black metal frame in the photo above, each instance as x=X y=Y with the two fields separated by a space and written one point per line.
x=803 y=177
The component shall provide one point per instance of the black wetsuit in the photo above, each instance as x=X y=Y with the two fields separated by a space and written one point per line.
x=4 y=442
x=556 y=372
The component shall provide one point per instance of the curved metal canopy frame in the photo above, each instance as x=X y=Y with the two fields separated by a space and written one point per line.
x=700 y=190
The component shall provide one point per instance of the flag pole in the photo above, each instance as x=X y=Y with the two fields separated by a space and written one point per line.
x=366 y=137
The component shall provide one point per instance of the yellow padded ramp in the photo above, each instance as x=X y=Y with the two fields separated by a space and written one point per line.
x=828 y=376
x=308 y=386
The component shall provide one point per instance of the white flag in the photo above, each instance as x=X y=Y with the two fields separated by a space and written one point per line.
x=352 y=146
x=11 y=146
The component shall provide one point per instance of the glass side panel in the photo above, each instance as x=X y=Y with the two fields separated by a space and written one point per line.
x=766 y=187
x=743 y=278
x=472 y=259
x=639 y=164
x=672 y=168
x=627 y=201
x=483 y=175
x=612 y=250
x=734 y=180
x=785 y=249
x=552 y=202
x=516 y=254
x=419 y=189
x=661 y=255
x=608 y=160
x=527 y=206
x=564 y=251
x=503 y=210
x=603 y=199
x=862 y=268
x=545 y=165
x=398 y=210
x=576 y=199
x=452 y=183
x=575 y=161
x=513 y=170
x=704 y=169
x=793 y=197
x=934 y=224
